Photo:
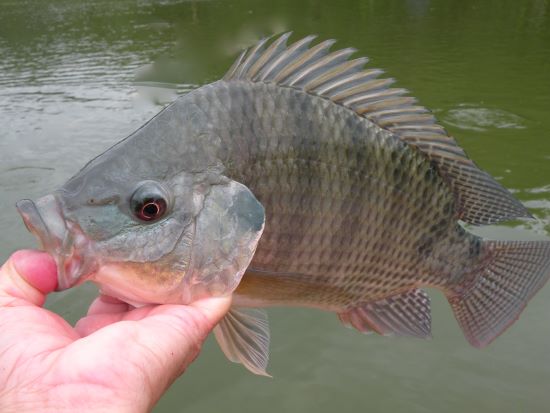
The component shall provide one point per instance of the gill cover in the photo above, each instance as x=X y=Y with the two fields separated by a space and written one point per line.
x=227 y=231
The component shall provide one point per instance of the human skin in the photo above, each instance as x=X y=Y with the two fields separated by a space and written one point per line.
x=116 y=359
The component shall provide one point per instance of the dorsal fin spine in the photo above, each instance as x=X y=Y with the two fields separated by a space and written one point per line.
x=422 y=128
x=354 y=76
x=276 y=47
x=262 y=60
x=252 y=54
x=375 y=84
x=406 y=118
x=286 y=55
x=233 y=69
x=392 y=111
x=351 y=66
x=323 y=63
x=307 y=58
x=363 y=101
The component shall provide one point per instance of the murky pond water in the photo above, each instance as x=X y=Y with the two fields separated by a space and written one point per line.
x=77 y=76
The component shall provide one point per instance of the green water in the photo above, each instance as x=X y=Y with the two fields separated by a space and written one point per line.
x=77 y=76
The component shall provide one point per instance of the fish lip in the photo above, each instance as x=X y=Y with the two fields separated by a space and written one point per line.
x=61 y=238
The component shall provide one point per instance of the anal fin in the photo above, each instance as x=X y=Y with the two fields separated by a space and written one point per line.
x=243 y=336
x=406 y=314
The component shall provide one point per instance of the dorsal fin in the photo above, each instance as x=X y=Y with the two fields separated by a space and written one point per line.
x=331 y=75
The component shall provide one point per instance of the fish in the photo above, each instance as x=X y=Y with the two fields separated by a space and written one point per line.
x=302 y=178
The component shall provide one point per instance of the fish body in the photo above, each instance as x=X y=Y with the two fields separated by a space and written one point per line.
x=352 y=212
x=299 y=179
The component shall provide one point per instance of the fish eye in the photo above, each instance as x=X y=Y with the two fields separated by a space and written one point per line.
x=149 y=202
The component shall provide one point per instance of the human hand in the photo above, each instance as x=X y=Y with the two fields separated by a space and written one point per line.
x=117 y=358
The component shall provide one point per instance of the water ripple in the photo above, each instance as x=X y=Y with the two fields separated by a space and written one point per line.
x=478 y=118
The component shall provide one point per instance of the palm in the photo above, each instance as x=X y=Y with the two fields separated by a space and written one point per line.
x=115 y=353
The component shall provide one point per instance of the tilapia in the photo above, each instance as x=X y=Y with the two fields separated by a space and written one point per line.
x=303 y=179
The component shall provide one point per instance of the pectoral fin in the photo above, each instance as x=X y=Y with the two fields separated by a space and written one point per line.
x=406 y=314
x=243 y=336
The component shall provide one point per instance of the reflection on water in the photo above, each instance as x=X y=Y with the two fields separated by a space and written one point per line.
x=77 y=76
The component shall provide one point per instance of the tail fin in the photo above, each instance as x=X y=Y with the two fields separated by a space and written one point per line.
x=500 y=290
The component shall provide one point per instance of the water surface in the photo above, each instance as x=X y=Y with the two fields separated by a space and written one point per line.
x=77 y=76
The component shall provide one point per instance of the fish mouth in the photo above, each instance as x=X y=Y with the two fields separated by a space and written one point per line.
x=59 y=237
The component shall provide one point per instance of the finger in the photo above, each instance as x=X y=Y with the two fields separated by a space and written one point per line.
x=161 y=340
x=192 y=322
x=26 y=278
x=105 y=304
x=155 y=343
x=213 y=308
x=175 y=334
x=91 y=323
x=109 y=313
x=181 y=327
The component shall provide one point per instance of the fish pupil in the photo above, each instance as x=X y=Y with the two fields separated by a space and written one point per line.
x=151 y=209
x=149 y=202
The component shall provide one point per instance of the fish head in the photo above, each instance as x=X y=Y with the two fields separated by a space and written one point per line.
x=149 y=226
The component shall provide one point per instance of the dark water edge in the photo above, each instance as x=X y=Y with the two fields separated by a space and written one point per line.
x=77 y=76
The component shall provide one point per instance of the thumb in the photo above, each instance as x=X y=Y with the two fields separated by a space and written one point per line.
x=163 y=340
x=26 y=278
x=176 y=332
